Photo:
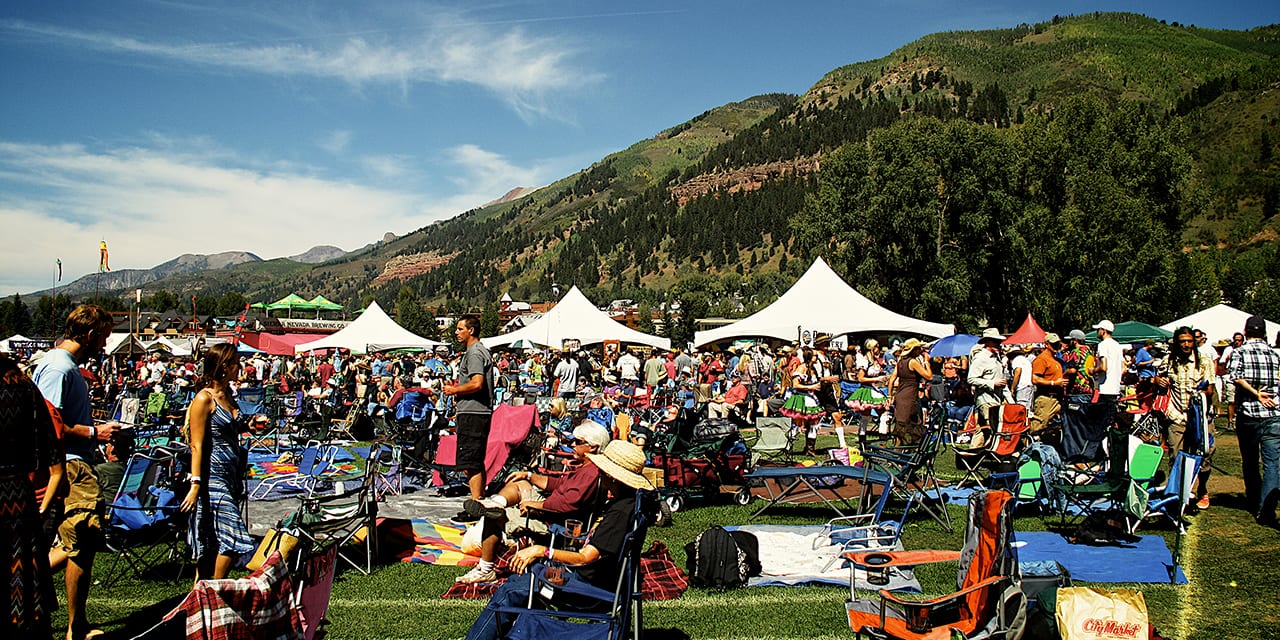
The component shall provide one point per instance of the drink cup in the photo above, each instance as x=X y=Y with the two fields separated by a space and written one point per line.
x=554 y=574
x=573 y=528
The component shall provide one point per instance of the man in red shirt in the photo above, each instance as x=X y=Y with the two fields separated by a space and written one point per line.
x=529 y=499
x=732 y=400
x=324 y=371
x=1047 y=376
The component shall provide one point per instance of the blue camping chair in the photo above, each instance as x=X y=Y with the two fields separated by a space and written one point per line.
x=143 y=527
x=616 y=614
x=313 y=467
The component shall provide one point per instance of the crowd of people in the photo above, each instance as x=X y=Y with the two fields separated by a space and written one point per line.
x=49 y=437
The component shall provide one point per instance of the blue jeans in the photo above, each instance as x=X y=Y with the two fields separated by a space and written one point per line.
x=514 y=592
x=1260 y=439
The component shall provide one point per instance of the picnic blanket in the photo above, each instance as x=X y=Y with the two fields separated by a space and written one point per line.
x=424 y=542
x=1148 y=560
x=788 y=558
x=661 y=579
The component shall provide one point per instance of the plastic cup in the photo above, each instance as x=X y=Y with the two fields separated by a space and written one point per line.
x=554 y=574
x=573 y=528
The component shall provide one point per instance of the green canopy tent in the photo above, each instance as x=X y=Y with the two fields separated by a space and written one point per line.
x=324 y=304
x=291 y=302
x=1133 y=332
x=258 y=306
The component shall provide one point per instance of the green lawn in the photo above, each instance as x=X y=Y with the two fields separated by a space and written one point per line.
x=1230 y=560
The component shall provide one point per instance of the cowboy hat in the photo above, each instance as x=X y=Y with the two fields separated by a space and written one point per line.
x=990 y=333
x=910 y=345
x=624 y=462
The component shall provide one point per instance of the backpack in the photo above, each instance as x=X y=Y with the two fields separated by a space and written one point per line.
x=720 y=559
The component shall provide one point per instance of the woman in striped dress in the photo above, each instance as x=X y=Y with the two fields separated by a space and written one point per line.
x=218 y=534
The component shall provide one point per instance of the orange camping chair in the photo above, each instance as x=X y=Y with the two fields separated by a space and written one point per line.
x=988 y=602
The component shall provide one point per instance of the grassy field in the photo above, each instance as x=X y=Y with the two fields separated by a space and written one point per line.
x=1230 y=560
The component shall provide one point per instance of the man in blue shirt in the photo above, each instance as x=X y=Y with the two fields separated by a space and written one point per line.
x=62 y=385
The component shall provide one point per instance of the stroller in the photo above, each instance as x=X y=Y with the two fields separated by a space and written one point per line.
x=699 y=458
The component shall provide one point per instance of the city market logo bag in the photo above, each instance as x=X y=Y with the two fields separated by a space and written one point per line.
x=1092 y=613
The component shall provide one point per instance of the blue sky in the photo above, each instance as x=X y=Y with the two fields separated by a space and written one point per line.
x=168 y=127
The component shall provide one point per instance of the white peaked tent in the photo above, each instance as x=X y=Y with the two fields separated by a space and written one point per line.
x=1219 y=322
x=821 y=301
x=374 y=330
x=574 y=317
x=4 y=344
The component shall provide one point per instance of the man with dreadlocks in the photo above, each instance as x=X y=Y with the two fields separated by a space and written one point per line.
x=1182 y=374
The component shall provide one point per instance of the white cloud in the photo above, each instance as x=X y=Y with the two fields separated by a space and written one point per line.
x=152 y=205
x=519 y=68
x=386 y=166
x=335 y=142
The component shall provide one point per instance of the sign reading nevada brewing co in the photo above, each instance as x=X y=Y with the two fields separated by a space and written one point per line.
x=1106 y=628
x=324 y=325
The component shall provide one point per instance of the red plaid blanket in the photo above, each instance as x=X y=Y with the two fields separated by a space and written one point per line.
x=661 y=578
x=256 y=607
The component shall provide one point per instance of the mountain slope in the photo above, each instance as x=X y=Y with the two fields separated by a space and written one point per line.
x=709 y=203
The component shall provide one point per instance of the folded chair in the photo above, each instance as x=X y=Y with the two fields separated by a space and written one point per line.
x=988 y=601
x=597 y=613
x=774 y=439
x=1130 y=465
x=908 y=472
x=143 y=527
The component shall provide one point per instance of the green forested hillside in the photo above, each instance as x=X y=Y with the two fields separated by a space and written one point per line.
x=1100 y=164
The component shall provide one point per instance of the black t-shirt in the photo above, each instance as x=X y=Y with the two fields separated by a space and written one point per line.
x=607 y=538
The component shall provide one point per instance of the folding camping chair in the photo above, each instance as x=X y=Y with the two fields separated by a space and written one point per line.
x=1002 y=447
x=1131 y=464
x=157 y=402
x=909 y=474
x=313 y=467
x=386 y=467
x=775 y=439
x=344 y=428
x=337 y=520
x=988 y=602
x=143 y=527
x=596 y=613
x=252 y=400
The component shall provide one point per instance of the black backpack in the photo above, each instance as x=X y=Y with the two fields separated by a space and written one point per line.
x=720 y=559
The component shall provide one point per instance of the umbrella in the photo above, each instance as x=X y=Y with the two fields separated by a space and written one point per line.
x=954 y=346
x=523 y=344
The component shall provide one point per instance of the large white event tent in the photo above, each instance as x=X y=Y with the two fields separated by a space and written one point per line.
x=821 y=301
x=1219 y=322
x=373 y=331
x=575 y=318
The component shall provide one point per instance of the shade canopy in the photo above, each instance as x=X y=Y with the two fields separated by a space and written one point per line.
x=1220 y=322
x=821 y=301
x=575 y=318
x=291 y=301
x=374 y=330
x=1029 y=333
x=324 y=304
x=1133 y=332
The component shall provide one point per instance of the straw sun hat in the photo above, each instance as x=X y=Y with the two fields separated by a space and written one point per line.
x=624 y=462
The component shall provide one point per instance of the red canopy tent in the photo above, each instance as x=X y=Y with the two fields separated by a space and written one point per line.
x=281 y=345
x=1029 y=333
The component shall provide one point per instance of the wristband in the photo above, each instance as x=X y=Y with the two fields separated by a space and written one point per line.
x=549 y=553
x=196 y=480
x=93 y=433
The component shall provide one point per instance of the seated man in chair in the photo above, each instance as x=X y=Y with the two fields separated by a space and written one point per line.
x=598 y=562
x=731 y=402
x=535 y=495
